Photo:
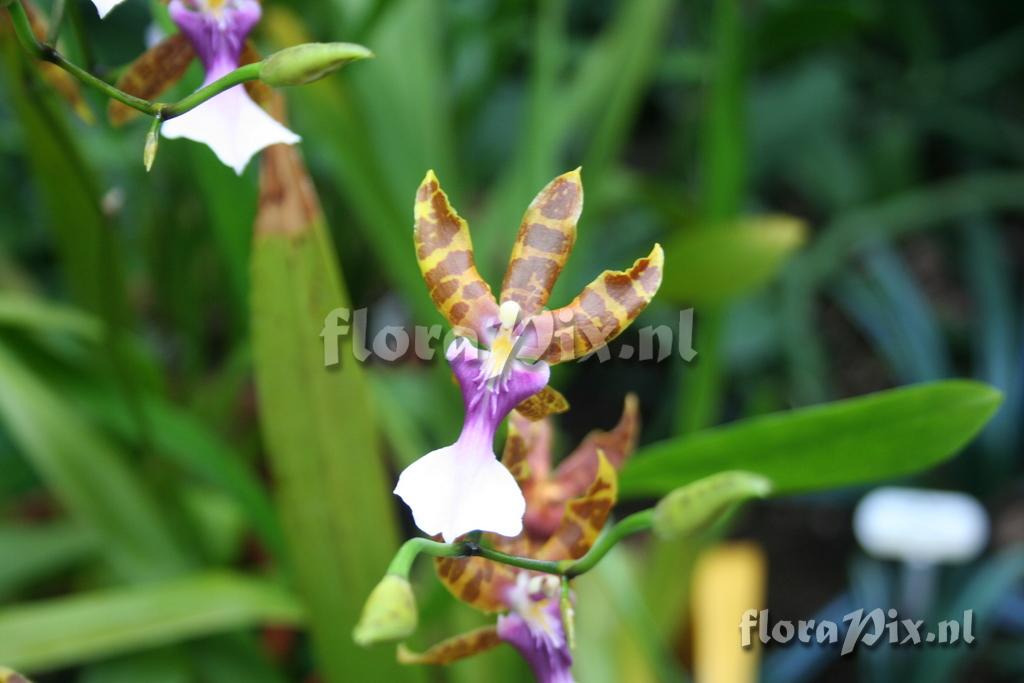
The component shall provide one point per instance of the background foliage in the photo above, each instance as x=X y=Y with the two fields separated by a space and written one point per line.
x=839 y=189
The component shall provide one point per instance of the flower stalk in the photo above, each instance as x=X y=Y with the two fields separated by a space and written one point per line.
x=411 y=549
x=167 y=111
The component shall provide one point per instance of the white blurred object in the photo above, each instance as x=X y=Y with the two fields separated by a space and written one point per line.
x=104 y=6
x=921 y=527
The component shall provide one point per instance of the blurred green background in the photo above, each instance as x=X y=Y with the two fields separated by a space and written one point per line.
x=139 y=534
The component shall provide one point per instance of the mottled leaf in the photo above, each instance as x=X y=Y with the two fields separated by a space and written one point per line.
x=151 y=74
x=444 y=250
x=453 y=649
x=546 y=237
x=602 y=311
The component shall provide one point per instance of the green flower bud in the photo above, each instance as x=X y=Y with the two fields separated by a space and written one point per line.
x=308 y=62
x=696 y=505
x=389 y=613
x=152 y=143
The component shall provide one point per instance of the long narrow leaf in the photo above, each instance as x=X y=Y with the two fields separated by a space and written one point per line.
x=50 y=634
x=871 y=438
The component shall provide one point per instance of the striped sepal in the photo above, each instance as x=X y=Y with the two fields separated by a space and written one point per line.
x=546 y=237
x=478 y=582
x=545 y=502
x=453 y=649
x=602 y=311
x=584 y=517
x=153 y=73
x=445 y=254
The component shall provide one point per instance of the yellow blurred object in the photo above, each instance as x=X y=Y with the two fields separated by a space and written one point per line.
x=8 y=676
x=727 y=581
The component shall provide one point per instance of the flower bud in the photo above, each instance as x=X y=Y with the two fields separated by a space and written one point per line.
x=152 y=144
x=695 y=506
x=389 y=613
x=308 y=62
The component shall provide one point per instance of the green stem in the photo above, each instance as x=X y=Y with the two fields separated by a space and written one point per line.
x=406 y=555
x=23 y=30
x=635 y=523
x=249 y=72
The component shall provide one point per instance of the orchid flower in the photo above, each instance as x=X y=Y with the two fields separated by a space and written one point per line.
x=461 y=488
x=230 y=123
x=530 y=614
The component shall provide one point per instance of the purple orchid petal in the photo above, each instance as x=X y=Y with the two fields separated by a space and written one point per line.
x=463 y=487
x=217 y=33
x=534 y=628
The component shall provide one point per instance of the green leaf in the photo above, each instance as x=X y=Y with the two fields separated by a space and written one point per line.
x=854 y=441
x=28 y=312
x=333 y=493
x=711 y=267
x=89 y=475
x=50 y=634
x=32 y=553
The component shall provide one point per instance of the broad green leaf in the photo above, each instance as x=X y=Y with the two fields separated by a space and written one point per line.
x=854 y=441
x=89 y=475
x=53 y=633
x=711 y=267
x=34 y=553
x=332 y=490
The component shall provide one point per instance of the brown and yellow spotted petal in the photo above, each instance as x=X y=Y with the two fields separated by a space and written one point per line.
x=154 y=72
x=576 y=472
x=445 y=254
x=475 y=581
x=545 y=502
x=546 y=237
x=527 y=453
x=453 y=649
x=602 y=311
x=584 y=517
x=261 y=93
x=546 y=402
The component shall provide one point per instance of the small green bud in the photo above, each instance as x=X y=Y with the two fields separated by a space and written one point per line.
x=308 y=62
x=568 y=614
x=389 y=613
x=152 y=143
x=696 y=505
